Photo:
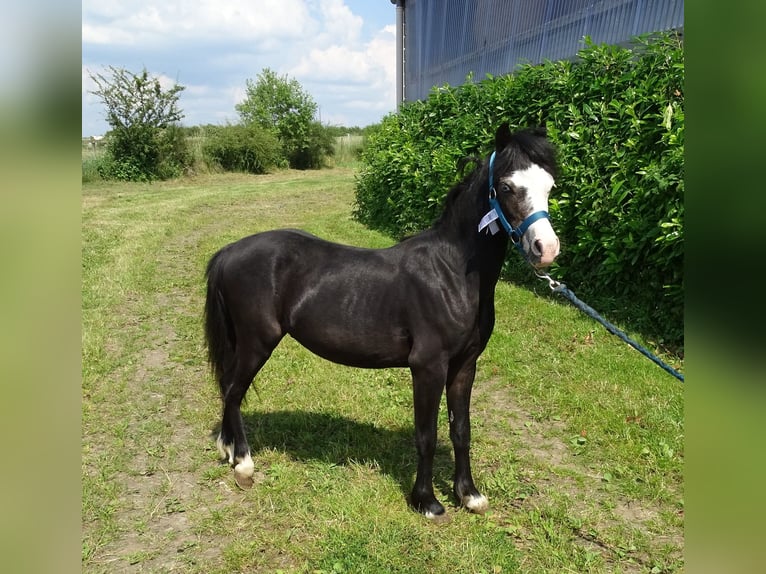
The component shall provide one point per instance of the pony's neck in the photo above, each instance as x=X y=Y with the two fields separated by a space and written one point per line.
x=459 y=224
x=460 y=218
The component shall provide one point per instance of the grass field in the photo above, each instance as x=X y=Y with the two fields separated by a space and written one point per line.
x=577 y=442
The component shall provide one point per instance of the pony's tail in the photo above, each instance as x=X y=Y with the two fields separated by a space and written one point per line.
x=219 y=334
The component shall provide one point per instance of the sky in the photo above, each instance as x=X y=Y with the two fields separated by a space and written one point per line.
x=342 y=52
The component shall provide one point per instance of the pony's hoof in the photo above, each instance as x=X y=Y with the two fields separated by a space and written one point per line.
x=244 y=471
x=442 y=518
x=243 y=481
x=476 y=504
x=429 y=507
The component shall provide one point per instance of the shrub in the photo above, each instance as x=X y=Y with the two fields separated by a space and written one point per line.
x=174 y=156
x=144 y=143
x=616 y=116
x=311 y=151
x=144 y=153
x=130 y=154
x=248 y=148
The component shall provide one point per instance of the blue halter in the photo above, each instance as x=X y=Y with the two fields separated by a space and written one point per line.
x=514 y=233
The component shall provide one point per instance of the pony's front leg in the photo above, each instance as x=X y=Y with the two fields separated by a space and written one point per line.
x=459 y=388
x=427 y=385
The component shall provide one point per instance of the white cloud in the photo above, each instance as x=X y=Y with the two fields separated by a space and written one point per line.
x=152 y=23
x=105 y=35
x=340 y=25
x=364 y=63
x=87 y=83
x=358 y=76
x=335 y=63
x=213 y=47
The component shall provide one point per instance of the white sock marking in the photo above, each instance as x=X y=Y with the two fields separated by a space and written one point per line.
x=476 y=503
x=225 y=450
x=245 y=466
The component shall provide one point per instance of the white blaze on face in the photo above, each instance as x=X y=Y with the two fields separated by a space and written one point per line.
x=540 y=241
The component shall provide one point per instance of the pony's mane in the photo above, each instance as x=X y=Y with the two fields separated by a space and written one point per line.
x=535 y=145
x=461 y=186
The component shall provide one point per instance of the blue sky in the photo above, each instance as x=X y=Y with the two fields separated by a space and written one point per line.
x=341 y=51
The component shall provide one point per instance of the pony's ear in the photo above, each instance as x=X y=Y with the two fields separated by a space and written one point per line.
x=502 y=136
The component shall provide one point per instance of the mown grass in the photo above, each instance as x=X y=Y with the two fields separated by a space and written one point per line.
x=578 y=439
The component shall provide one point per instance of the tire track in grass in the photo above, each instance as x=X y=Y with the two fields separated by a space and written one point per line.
x=158 y=482
x=144 y=255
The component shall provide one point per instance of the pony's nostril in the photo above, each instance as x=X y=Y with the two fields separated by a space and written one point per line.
x=538 y=247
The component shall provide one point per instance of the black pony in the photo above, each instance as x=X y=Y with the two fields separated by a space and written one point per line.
x=426 y=303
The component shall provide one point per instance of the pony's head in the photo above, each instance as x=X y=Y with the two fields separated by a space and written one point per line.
x=522 y=173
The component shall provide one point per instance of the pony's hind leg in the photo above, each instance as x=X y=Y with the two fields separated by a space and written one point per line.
x=232 y=442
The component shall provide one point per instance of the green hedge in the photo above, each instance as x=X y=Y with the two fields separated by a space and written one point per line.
x=616 y=116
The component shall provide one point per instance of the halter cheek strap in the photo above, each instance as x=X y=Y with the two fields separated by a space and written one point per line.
x=515 y=233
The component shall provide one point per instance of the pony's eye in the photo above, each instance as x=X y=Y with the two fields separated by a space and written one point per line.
x=504 y=187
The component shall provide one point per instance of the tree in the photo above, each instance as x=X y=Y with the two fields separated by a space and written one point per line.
x=280 y=104
x=144 y=142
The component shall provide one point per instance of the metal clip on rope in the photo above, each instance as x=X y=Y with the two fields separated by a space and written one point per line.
x=552 y=283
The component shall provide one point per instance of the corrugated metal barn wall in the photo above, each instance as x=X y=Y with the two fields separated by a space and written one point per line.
x=445 y=40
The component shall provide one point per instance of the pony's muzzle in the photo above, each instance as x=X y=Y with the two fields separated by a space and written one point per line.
x=544 y=251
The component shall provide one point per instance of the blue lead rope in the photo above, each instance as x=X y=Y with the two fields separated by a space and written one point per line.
x=588 y=310
x=516 y=234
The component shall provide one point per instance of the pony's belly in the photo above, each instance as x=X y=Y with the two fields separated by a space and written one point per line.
x=365 y=351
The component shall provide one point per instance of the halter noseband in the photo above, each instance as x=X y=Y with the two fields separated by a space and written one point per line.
x=514 y=233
